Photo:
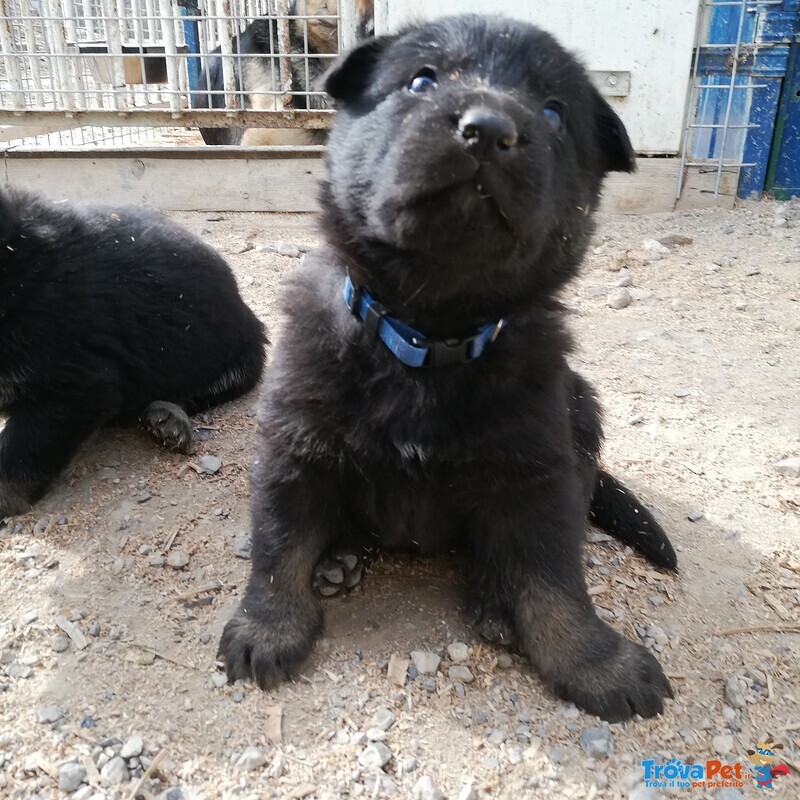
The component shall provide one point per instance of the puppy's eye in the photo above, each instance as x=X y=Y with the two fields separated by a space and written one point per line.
x=553 y=114
x=424 y=81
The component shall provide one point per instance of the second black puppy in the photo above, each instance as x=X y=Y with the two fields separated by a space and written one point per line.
x=108 y=315
x=420 y=397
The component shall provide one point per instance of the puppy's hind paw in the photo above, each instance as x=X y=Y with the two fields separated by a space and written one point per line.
x=488 y=620
x=169 y=423
x=264 y=650
x=338 y=571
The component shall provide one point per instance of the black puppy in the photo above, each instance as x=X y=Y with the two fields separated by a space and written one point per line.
x=108 y=315
x=420 y=397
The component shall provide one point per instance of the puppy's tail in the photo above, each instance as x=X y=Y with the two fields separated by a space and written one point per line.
x=616 y=510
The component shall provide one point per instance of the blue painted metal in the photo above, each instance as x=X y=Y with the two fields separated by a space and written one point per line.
x=766 y=33
x=191 y=36
x=783 y=177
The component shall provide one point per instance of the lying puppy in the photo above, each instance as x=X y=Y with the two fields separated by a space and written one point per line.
x=258 y=74
x=108 y=315
x=420 y=398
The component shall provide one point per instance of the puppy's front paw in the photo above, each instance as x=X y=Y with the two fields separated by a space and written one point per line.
x=628 y=681
x=339 y=570
x=169 y=423
x=486 y=617
x=14 y=499
x=268 y=648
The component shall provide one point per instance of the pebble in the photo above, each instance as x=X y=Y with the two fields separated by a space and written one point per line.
x=397 y=669
x=740 y=304
x=376 y=735
x=595 y=537
x=71 y=776
x=210 y=464
x=219 y=679
x=429 y=684
x=374 y=755
x=722 y=744
x=624 y=278
x=282 y=249
x=733 y=692
x=177 y=559
x=601 y=779
x=156 y=561
x=674 y=240
x=461 y=674
x=86 y=793
x=458 y=652
x=620 y=298
x=358 y=738
x=426 y=662
x=426 y=789
x=504 y=661
x=728 y=714
x=641 y=294
x=383 y=719
x=694 y=516
x=408 y=764
x=49 y=715
x=679 y=305
x=654 y=250
x=142 y=498
x=468 y=792
x=789 y=467
x=132 y=747
x=635 y=419
x=252 y=758
x=173 y=793
x=115 y=772
x=490 y=763
x=59 y=643
x=19 y=671
x=597 y=742
x=242 y=546
x=214 y=218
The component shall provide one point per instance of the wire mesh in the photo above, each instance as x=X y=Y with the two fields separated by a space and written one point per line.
x=220 y=63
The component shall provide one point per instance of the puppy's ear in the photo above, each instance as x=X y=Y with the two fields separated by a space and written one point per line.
x=612 y=138
x=351 y=74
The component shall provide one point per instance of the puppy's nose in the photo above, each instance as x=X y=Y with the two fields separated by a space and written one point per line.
x=486 y=133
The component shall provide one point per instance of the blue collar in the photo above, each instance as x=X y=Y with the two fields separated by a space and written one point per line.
x=410 y=346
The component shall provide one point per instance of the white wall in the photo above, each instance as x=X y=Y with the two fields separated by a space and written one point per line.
x=651 y=39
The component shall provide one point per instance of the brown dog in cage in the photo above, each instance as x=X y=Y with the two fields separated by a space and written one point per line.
x=313 y=34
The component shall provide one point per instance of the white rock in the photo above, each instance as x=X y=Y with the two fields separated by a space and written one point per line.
x=426 y=789
x=461 y=674
x=115 y=772
x=50 y=715
x=177 y=559
x=468 y=792
x=624 y=278
x=654 y=250
x=426 y=662
x=383 y=718
x=789 y=467
x=133 y=747
x=619 y=298
x=251 y=758
x=376 y=754
x=70 y=776
x=210 y=464
x=458 y=652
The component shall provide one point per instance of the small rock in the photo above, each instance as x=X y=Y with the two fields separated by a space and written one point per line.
x=426 y=789
x=635 y=419
x=694 y=516
x=375 y=755
x=620 y=298
x=789 y=467
x=219 y=679
x=278 y=765
x=88 y=793
x=214 y=218
x=28 y=618
x=504 y=661
x=397 y=670
x=722 y=744
x=728 y=714
x=596 y=537
x=252 y=758
x=49 y=715
x=210 y=464
x=624 y=278
x=19 y=671
x=733 y=692
x=242 y=546
x=679 y=305
x=654 y=250
x=376 y=735
x=601 y=779
x=640 y=294
x=674 y=240
x=468 y=792
x=426 y=662
x=156 y=561
x=142 y=498
x=59 y=643
x=490 y=763
x=429 y=684
x=408 y=764
x=132 y=747
x=115 y=772
x=70 y=776
x=461 y=674
x=658 y=635
x=458 y=652
x=740 y=304
x=597 y=742
x=177 y=559
x=383 y=719
x=173 y=793
x=358 y=738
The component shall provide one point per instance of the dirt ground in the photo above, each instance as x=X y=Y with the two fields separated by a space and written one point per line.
x=114 y=590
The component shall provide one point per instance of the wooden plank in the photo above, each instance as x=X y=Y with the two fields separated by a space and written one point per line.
x=279 y=179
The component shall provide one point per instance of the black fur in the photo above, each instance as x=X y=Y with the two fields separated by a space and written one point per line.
x=108 y=314
x=498 y=456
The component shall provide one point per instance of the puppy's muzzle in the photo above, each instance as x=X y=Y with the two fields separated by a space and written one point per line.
x=487 y=134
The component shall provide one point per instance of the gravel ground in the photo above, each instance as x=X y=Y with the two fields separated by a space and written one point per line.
x=114 y=591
